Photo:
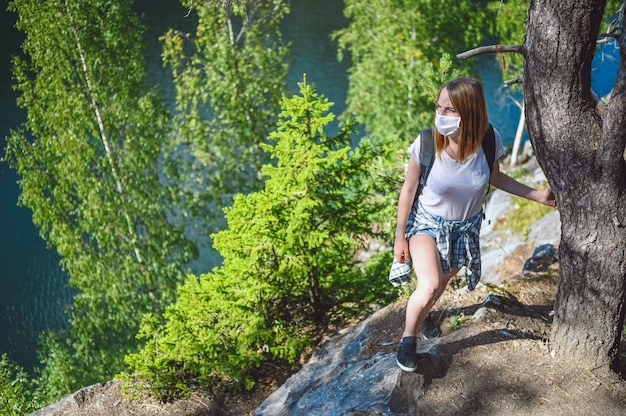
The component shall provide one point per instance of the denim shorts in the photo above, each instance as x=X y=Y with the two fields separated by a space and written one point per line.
x=425 y=231
x=458 y=242
x=417 y=227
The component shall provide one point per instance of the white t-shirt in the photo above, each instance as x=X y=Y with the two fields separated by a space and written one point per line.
x=454 y=190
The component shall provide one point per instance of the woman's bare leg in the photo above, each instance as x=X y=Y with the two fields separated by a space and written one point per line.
x=431 y=281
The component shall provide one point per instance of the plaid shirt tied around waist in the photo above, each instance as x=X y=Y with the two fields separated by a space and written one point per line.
x=457 y=241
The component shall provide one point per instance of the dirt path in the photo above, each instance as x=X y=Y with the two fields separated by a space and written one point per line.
x=499 y=364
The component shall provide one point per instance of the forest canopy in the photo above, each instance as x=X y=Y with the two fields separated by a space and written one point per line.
x=118 y=182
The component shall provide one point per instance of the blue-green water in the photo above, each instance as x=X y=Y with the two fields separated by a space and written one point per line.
x=33 y=289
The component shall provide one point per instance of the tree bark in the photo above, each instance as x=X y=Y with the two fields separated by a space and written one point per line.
x=582 y=155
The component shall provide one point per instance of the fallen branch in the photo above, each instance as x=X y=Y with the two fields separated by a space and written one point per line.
x=491 y=49
x=513 y=82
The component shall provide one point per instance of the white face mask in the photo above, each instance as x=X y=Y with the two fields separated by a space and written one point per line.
x=447 y=126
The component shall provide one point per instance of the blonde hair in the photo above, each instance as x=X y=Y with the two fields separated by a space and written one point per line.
x=468 y=98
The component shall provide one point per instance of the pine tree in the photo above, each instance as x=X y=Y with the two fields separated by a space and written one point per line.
x=289 y=262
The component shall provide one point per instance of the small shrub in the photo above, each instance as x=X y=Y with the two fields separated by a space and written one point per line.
x=16 y=389
x=456 y=321
x=214 y=335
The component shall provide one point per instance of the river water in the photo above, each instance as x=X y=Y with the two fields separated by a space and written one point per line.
x=33 y=288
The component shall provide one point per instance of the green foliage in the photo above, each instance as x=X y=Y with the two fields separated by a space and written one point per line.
x=62 y=371
x=510 y=27
x=379 y=291
x=289 y=261
x=518 y=173
x=390 y=165
x=229 y=78
x=389 y=42
x=302 y=231
x=16 y=397
x=611 y=15
x=457 y=321
x=213 y=337
x=88 y=158
x=401 y=55
x=434 y=77
x=524 y=214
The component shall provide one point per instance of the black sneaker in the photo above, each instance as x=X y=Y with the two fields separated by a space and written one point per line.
x=429 y=328
x=407 y=355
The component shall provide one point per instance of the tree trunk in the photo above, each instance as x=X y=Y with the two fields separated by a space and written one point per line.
x=582 y=154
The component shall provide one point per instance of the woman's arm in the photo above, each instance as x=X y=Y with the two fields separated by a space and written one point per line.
x=504 y=182
x=405 y=203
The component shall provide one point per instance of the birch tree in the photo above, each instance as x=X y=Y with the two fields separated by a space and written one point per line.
x=229 y=77
x=88 y=158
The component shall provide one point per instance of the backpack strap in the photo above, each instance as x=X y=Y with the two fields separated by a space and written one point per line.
x=489 y=147
x=427 y=157
x=427 y=154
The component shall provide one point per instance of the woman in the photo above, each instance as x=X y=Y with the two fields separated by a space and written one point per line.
x=439 y=234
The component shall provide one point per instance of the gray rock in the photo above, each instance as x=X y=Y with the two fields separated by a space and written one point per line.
x=543 y=257
x=337 y=381
x=546 y=230
x=70 y=402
